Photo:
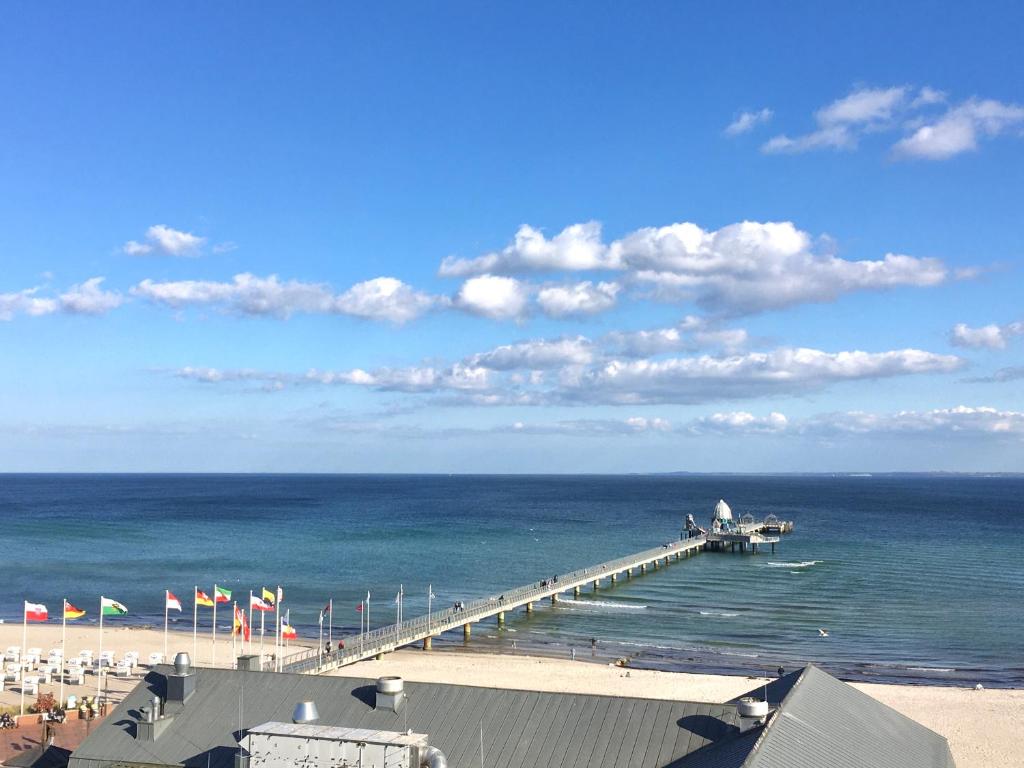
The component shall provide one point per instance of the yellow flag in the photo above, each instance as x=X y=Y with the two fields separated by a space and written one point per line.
x=269 y=596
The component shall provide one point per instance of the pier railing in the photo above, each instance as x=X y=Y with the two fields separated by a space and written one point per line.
x=357 y=647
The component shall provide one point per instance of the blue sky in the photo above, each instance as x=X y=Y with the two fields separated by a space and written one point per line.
x=522 y=238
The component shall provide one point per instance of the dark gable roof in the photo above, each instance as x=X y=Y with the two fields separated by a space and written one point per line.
x=521 y=728
x=820 y=721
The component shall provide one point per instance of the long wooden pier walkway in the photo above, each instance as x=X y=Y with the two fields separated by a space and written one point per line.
x=424 y=628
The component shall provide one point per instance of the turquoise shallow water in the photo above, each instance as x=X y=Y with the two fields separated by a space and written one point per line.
x=918 y=579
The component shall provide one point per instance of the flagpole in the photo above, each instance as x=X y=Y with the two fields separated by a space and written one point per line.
x=213 y=645
x=99 y=660
x=430 y=599
x=262 y=630
x=234 y=615
x=195 y=623
x=24 y=648
x=330 y=621
x=250 y=625
x=277 y=629
x=63 y=648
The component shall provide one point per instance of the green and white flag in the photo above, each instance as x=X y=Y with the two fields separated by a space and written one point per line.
x=110 y=607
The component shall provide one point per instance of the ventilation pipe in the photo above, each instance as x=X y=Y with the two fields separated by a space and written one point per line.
x=305 y=713
x=432 y=757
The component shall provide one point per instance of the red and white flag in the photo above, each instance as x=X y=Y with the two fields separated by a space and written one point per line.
x=359 y=608
x=173 y=603
x=35 y=612
x=258 y=604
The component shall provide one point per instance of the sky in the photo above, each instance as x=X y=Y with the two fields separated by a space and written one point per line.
x=504 y=238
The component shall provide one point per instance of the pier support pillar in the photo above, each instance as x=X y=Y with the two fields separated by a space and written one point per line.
x=501 y=618
x=379 y=657
x=467 y=631
x=427 y=643
x=615 y=577
x=629 y=573
x=554 y=598
x=597 y=584
x=773 y=548
x=643 y=567
x=529 y=607
x=576 y=591
x=656 y=566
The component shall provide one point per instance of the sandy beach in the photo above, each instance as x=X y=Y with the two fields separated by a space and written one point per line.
x=982 y=726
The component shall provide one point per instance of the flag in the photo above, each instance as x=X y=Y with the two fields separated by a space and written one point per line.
x=280 y=595
x=398 y=598
x=173 y=603
x=203 y=599
x=287 y=630
x=260 y=605
x=431 y=590
x=326 y=610
x=359 y=608
x=35 y=612
x=268 y=597
x=110 y=607
x=240 y=626
x=222 y=595
x=70 y=612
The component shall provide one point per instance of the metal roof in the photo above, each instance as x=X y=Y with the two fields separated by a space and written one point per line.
x=823 y=721
x=818 y=721
x=521 y=729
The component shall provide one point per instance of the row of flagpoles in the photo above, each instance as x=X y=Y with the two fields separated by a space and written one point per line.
x=263 y=603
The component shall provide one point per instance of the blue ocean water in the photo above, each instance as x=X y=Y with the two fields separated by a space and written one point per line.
x=917 y=578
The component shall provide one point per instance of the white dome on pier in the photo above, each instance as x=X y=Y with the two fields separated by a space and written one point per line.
x=722 y=511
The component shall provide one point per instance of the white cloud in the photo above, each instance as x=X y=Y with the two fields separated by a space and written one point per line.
x=690 y=334
x=740 y=268
x=740 y=422
x=707 y=378
x=864 y=105
x=89 y=298
x=961 y=420
x=585 y=298
x=383 y=298
x=25 y=302
x=173 y=242
x=747 y=121
x=634 y=425
x=991 y=336
x=493 y=296
x=458 y=377
x=536 y=355
x=754 y=266
x=577 y=247
x=959 y=129
x=841 y=122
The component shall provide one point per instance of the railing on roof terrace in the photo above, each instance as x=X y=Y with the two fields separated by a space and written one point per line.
x=390 y=637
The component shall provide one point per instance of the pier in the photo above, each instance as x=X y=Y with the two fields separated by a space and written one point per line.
x=726 y=533
x=423 y=629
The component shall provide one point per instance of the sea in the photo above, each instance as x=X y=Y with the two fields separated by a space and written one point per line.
x=917 y=579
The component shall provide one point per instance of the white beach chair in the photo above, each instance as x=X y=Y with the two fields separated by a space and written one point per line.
x=12 y=672
x=74 y=662
x=13 y=653
x=133 y=657
x=107 y=659
x=34 y=655
x=30 y=686
x=55 y=652
x=156 y=658
x=45 y=675
x=76 y=676
x=85 y=655
x=123 y=669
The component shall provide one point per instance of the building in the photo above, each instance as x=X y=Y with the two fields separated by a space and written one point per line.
x=213 y=718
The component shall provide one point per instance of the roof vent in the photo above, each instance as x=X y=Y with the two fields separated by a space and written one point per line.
x=182 y=663
x=752 y=712
x=181 y=684
x=390 y=693
x=305 y=713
